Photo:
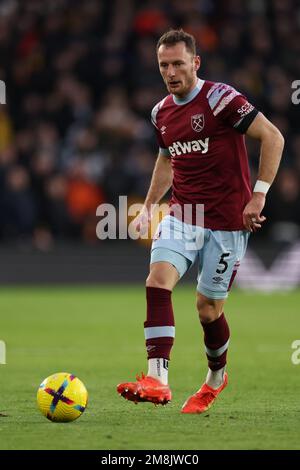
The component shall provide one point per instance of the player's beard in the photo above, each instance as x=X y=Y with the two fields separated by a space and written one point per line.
x=185 y=86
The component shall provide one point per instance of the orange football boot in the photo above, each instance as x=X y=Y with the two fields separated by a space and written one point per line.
x=202 y=400
x=145 y=388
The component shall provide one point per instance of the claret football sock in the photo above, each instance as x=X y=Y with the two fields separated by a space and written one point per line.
x=158 y=368
x=159 y=326
x=216 y=339
x=215 y=378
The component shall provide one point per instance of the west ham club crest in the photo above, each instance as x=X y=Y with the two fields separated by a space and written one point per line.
x=197 y=122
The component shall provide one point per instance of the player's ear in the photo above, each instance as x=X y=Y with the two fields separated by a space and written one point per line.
x=197 y=62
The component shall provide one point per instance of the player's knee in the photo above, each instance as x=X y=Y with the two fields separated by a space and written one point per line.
x=208 y=309
x=156 y=279
x=162 y=275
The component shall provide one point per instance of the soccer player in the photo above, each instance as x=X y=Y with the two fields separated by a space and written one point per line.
x=202 y=156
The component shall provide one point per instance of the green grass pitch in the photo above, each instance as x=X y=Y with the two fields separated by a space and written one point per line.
x=97 y=334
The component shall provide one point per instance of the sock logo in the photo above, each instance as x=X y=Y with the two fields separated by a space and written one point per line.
x=158 y=367
x=150 y=348
x=165 y=364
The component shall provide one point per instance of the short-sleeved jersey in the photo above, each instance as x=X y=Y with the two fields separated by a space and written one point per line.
x=203 y=136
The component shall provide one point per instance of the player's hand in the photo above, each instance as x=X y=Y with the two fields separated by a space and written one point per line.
x=252 y=217
x=142 y=221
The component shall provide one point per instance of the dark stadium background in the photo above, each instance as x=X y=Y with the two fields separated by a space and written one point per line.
x=81 y=80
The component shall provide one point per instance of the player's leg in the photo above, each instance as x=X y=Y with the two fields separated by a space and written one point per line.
x=216 y=337
x=159 y=329
x=216 y=340
x=170 y=260
x=220 y=259
x=168 y=263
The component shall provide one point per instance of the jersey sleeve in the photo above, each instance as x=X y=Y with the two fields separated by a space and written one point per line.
x=231 y=107
x=162 y=148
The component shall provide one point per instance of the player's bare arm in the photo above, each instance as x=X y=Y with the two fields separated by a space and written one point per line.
x=161 y=182
x=272 y=143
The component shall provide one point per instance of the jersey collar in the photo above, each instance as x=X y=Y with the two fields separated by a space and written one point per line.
x=191 y=95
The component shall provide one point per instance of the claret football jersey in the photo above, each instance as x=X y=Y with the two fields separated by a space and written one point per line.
x=202 y=134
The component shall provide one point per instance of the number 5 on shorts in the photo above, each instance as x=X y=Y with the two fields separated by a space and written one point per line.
x=225 y=264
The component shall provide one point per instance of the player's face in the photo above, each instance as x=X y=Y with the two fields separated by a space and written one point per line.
x=178 y=68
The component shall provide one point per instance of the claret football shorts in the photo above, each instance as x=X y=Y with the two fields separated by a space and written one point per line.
x=217 y=252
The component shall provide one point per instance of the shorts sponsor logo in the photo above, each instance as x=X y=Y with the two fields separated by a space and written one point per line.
x=217 y=280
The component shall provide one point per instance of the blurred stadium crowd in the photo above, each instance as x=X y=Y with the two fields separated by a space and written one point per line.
x=81 y=80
